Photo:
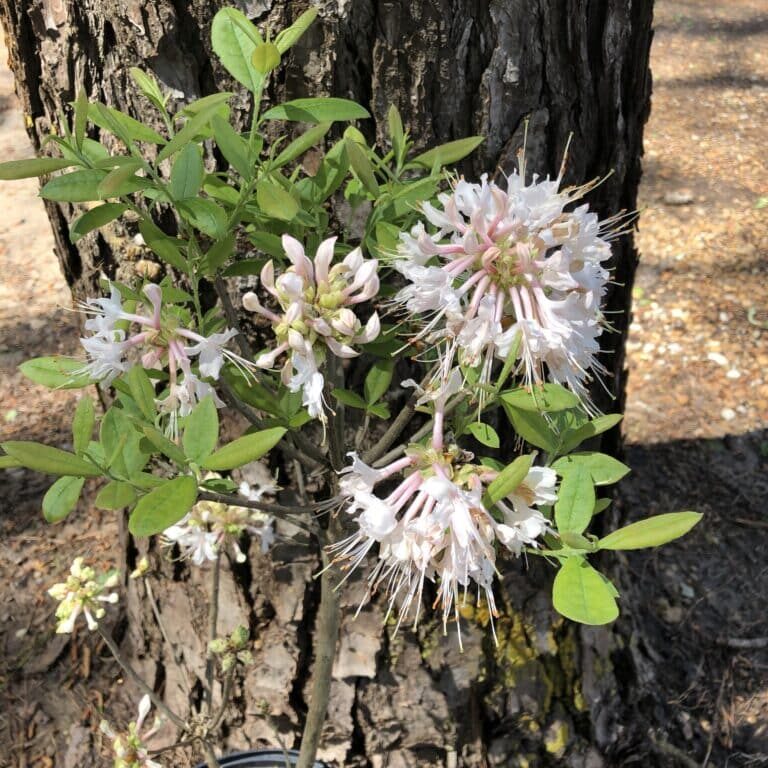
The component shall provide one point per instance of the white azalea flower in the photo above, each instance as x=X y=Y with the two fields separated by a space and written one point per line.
x=129 y=748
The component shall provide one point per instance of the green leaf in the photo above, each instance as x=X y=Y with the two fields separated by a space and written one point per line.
x=35 y=166
x=123 y=126
x=601 y=505
x=149 y=87
x=167 y=248
x=164 y=445
x=575 y=501
x=234 y=40
x=187 y=173
x=201 y=430
x=142 y=391
x=8 y=462
x=543 y=399
x=219 y=254
x=362 y=166
x=61 y=498
x=484 y=433
x=56 y=372
x=275 y=202
x=299 y=146
x=590 y=429
x=265 y=58
x=115 y=495
x=317 y=110
x=290 y=36
x=81 y=116
x=352 y=399
x=532 y=427
x=52 y=461
x=121 y=444
x=82 y=424
x=509 y=479
x=95 y=218
x=232 y=146
x=396 y=132
x=205 y=215
x=163 y=506
x=449 y=153
x=651 y=532
x=75 y=187
x=582 y=594
x=191 y=129
x=122 y=181
x=380 y=410
x=603 y=468
x=377 y=380
x=244 y=449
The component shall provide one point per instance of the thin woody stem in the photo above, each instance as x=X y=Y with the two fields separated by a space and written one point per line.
x=232 y=320
x=394 y=431
x=134 y=675
x=210 y=756
x=213 y=619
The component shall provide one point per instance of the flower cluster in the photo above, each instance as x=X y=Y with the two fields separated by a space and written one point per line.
x=510 y=272
x=435 y=525
x=129 y=748
x=211 y=525
x=160 y=343
x=84 y=593
x=316 y=300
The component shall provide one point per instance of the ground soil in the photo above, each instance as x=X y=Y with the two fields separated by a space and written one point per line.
x=696 y=426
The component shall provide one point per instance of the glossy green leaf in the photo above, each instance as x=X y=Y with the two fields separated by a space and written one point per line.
x=509 y=479
x=121 y=444
x=46 y=458
x=543 y=399
x=81 y=116
x=61 y=498
x=82 y=424
x=94 y=219
x=115 y=495
x=651 y=532
x=234 y=40
x=317 y=110
x=35 y=166
x=207 y=216
x=449 y=153
x=164 y=445
x=603 y=468
x=194 y=125
x=378 y=379
x=219 y=254
x=163 y=506
x=122 y=181
x=56 y=372
x=380 y=410
x=187 y=173
x=148 y=86
x=8 y=462
x=232 y=146
x=126 y=128
x=362 y=166
x=201 y=430
x=484 y=433
x=74 y=187
x=575 y=501
x=166 y=247
x=244 y=450
x=396 y=131
x=582 y=594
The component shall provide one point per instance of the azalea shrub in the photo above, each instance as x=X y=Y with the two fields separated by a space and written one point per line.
x=424 y=344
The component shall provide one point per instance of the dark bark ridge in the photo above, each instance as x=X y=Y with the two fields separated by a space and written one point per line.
x=549 y=692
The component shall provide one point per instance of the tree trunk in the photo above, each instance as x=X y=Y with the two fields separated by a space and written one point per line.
x=549 y=692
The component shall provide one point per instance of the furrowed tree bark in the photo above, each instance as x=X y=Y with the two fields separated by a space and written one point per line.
x=550 y=693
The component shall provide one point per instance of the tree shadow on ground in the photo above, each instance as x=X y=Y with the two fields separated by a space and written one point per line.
x=694 y=603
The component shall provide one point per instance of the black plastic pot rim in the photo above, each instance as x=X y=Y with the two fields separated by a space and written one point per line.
x=261 y=758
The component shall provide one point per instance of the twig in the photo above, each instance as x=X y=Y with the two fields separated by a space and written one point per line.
x=228 y=682
x=213 y=619
x=232 y=319
x=134 y=675
x=210 y=755
x=715 y=721
x=671 y=750
x=394 y=431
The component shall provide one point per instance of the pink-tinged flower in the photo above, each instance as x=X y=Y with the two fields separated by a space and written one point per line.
x=510 y=271
x=159 y=342
x=434 y=525
x=129 y=748
x=210 y=526
x=316 y=301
